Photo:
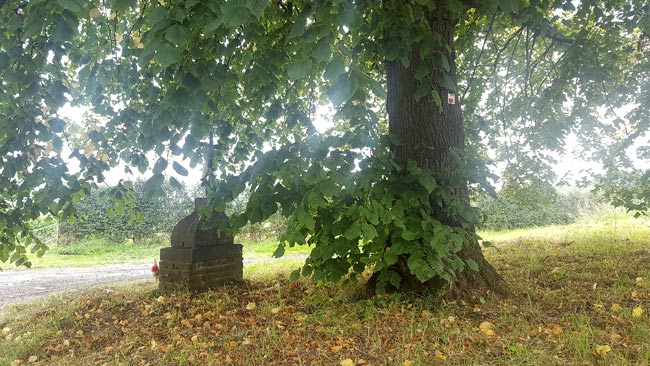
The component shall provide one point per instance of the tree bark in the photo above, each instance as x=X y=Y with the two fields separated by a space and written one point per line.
x=431 y=135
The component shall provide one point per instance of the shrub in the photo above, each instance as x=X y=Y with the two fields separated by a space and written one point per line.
x=501 y=212
x=145 y=218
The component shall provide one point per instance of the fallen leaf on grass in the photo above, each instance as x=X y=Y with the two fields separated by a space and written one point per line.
x=554 y=330
x=347 y=362
x=448 y=322
x=602 y=350
x=407 y=363
x=439 y=355
x=637 y=311
x=32 y=359
x=276 y=310
x=616 y=307
x=487 y=328
x=251 y=306
x=336 y=349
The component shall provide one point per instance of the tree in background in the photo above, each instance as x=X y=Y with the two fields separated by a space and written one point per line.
x=102 y=216
x=386 y=188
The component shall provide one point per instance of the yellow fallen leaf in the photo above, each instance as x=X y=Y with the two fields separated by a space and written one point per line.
x=336 y=349
x=347 y=362
x=487 y=328
x=637 y=311
x=634 y=295
x=615 y=336
x=616 y=307
x=276 y=310
x=602 y=350
x=439 y=355
x=407 y=363
x=32 y=359
x=639 y=279
x=251 y=306
x=554 y=329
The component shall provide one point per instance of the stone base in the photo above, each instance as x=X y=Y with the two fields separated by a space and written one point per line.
x=200 y=268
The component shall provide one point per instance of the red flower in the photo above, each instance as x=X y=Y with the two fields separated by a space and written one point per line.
x=154 y=270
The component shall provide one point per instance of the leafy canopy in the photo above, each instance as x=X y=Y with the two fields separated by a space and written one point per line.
x=243 y=80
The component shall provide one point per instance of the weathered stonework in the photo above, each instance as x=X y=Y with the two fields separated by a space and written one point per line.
x=199 y=257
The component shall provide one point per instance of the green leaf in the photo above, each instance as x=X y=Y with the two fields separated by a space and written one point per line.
x=307 y=270
x=305 y=219
x=322 y=53
x=300 y=69
x=369 y=231
x=175 y=183
x=424 y=69
x=234 y=13
x=428 y=182
x=122 y=5
x=167 y=55
x=179 y=97
x=411 y=235
x=294 y=276
x=343 y=90
x=334 y=69
x=160 y=166
x=179 y=169
x=257 y=7
x=329 y=188
x=354 y=231
x=447 y=83
x=178 y=35
x=214 y=24
x=436 y=98
x=57 y=125
x=279 y=251
x=153 y=185
x=297 y=30
x=471 y=264
x=444 y=63
x=71 y=5
x=422 y=90
x=63 y=32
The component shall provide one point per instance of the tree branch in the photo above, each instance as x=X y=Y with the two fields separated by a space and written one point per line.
x=471 y=78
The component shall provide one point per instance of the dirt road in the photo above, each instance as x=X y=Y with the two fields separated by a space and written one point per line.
x=20 y=285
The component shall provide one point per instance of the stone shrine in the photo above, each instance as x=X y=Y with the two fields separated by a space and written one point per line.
x=200 y=257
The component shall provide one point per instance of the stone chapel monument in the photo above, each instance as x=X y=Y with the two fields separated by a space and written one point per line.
x=200 y=257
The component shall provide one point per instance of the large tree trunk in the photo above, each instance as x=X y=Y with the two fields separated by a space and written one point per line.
x=429 y=136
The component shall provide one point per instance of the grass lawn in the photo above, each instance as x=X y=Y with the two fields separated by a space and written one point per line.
x=90 y=252
x=580 y=295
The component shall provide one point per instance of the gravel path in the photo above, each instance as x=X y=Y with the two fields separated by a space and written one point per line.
x=20 y=285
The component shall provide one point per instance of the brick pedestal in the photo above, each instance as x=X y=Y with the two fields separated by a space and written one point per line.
x=200 y=268
x=200 y=257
